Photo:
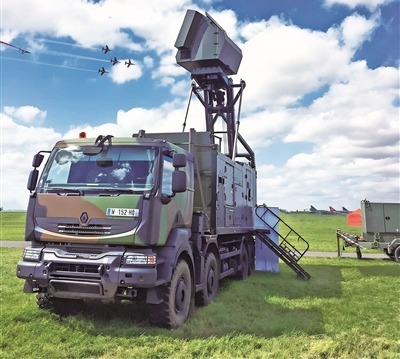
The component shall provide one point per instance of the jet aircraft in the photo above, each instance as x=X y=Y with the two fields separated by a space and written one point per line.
x=24 y=51
x=106 y=49
x=129 y=63
x=314 y=210
x=102 y=71
x=331 y=210
x=114 y=61
x=343 y=211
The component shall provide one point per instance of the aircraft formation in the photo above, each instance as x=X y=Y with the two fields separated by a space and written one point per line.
x=101 y=71
x=113 y=61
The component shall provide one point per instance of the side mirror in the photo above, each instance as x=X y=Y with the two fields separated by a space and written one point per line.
x=37 y=160
x=178 y=181
x=179 y=160
x=32 y=180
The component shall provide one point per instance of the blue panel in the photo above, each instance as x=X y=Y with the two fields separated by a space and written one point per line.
x=266 y=260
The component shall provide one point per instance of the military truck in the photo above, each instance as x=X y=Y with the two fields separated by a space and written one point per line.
x=158 y=218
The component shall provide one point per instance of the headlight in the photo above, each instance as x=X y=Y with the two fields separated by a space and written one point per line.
x=32 y=254
x=140 y=259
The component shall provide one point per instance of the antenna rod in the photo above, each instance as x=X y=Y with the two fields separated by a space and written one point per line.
x=238 y=121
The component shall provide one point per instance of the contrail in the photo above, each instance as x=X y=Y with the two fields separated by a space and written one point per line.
x=61 y=43
x=67 y=54
x=48 y=64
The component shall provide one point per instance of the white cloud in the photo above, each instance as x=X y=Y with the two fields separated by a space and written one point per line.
x=282 y=62
x=352 y=129
x=19 y=142
x=120 y=73
x=26 y=114
x=356 y=29
x=371 y=5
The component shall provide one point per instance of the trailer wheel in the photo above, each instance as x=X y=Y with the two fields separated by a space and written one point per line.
x=245 y=262
x=174 y=311
x=207 y=295
x=397 y=254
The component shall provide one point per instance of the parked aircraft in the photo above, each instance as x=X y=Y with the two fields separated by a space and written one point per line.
x=331 y=210
x=314 y=210
x=129 y=63
x=114 y=61
x=343 y=211
x=106 y=49
x=102 y=71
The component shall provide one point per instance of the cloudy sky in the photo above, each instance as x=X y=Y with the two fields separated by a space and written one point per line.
x=320 y=109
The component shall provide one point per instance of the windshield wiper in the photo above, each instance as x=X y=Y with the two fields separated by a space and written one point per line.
x=68 y=191
x=108 y=191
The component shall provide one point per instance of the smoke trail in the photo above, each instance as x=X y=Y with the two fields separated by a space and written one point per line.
x=61 y=43
x=48 y=64
x=67 y=54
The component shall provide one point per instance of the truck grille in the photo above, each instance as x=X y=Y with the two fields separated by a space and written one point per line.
x=91 y=230
x=77 y=268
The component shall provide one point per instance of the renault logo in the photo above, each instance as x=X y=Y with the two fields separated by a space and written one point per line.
x=84 y=217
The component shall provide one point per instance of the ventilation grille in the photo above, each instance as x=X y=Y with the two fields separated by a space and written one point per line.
x=77 y=268
x=91 y=230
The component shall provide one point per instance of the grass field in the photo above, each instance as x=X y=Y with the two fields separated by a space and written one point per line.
x=318 y=229
x=12 y=226
x=349 y=309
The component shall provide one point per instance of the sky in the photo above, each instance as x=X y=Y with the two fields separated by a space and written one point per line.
x=320 y=108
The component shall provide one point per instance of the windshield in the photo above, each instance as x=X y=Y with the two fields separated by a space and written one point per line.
x=116 y=167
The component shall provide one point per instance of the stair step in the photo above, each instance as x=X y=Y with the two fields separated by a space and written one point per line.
x=285 y=250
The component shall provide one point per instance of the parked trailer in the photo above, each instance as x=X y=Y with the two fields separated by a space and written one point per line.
x=380 y=230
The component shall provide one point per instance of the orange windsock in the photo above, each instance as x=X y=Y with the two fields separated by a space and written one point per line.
x=354 y=218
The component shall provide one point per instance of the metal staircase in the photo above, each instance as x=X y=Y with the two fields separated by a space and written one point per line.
x=285 y=250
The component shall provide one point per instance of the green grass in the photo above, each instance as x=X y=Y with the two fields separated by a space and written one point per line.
x=12 y=226
x=318 y=229
x=349 y=309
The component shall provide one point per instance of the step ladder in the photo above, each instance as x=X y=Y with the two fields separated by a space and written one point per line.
x=285 y=250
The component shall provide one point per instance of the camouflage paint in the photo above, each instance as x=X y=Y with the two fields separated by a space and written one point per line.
x=51 y=210
x=152 y=227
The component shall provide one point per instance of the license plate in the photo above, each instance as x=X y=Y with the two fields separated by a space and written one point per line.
x=122 y=212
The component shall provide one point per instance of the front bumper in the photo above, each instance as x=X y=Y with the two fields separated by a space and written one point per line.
x=86 y=276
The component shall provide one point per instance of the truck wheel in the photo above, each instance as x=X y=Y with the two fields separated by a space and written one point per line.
x=59 y=306
x=397 y=254
x=44 y=301
x=244 y=260
x=207 y=295
x=174 y=311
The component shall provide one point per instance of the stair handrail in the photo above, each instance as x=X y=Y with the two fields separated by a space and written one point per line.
x=283 y=239
x=282 y=254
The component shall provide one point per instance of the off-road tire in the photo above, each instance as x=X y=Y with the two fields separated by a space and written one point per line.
x=397 y=254
x=207 y=295
x=245 y=262
x=174 y=310
x=59 y=306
